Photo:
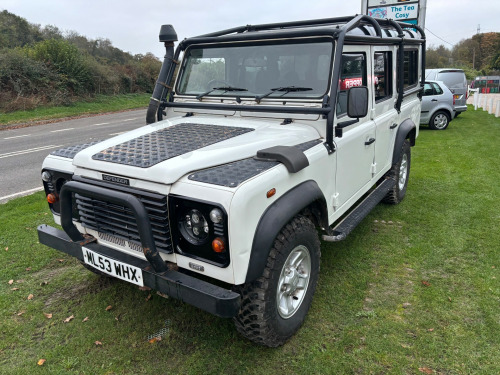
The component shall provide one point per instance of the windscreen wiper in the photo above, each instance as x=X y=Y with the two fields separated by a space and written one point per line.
x=225 y=89
x=285 y=89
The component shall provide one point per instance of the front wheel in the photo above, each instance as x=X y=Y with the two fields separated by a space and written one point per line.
x=439 y=121
x=400 y=172
x=275 y=305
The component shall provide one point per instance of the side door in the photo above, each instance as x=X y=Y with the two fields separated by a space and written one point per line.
x=428 y=103
x=384 y=112
x=355 y=149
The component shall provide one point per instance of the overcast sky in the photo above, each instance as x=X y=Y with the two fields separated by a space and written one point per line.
x=133 y=25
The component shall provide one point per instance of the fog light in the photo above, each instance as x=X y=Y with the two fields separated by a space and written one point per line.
x=46 y=176
x=218 y=245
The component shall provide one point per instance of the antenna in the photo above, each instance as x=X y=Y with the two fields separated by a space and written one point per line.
x=479 y=29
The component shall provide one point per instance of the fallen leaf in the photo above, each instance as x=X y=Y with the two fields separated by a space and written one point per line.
x=15 y=289
x=44 y=283
x=108 y=308
x=426 y=283
x=155 y=339
x=47 y=315
x=85 y=319
x=406 y=346
x=148 y=297
x=162 y=294
x=144 y=288
x=69 y=319
x=98 y=343
x=449 y=299
x=28 y=269
x=425 y=370
x=30 y=297
x=430 y=329
x=11 y=282
x=6 y=249
x=20 y=313
x=41 y=362
x=61 y=260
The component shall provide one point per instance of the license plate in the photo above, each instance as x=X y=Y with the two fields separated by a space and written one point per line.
x=113 y=267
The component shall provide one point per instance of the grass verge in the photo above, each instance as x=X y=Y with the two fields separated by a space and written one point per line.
x=99 y=104
x=415 y=289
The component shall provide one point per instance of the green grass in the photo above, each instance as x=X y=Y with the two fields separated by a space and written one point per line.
x=99 y=104
x=414 y=286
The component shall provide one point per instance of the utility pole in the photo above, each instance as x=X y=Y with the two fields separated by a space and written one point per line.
x=479 y=29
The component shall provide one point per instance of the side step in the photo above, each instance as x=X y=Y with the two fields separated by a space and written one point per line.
x=355 y=217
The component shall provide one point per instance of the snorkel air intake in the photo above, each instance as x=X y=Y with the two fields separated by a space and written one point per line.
x=167 y=36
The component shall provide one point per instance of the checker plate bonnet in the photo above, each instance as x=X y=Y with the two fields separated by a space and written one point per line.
x=153 y=148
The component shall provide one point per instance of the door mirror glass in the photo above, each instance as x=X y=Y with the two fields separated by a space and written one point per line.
x=357 y=102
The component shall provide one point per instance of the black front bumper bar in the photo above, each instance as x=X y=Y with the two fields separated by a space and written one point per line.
x=214 y=299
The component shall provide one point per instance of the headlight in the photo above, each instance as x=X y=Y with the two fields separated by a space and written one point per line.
x=196 y=226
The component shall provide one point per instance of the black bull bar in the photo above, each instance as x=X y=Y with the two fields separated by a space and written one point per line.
x=212 y=298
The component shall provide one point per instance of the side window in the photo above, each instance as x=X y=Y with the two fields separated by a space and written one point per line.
x=428 y=89
x=353 y=73
x=382 y=80
x=437 y=90
x=410 y=69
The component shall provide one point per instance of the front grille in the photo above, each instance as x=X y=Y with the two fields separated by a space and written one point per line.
x=118 y=221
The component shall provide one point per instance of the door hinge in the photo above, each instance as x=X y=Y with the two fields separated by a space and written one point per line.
x=335 y=200
x=374 y=169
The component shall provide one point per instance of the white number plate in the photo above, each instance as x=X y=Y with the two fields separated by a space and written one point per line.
x=113 y=267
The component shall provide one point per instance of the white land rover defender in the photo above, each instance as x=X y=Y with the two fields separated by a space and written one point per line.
x=267 y=135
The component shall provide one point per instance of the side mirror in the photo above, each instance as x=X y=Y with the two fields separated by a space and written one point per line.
x=357 y=102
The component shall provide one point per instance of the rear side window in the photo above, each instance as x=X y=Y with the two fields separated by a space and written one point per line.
x=410 y=69
x=437 y=89
x=353 y=74
x=431 y=88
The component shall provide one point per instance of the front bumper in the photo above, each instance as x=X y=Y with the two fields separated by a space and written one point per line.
x=214 y=299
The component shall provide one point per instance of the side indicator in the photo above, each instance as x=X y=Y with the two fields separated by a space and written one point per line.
x=52 y=198
x=271 y=192
x=218 y=245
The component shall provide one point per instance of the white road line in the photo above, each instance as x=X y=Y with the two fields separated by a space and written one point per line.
x=119 y=133
x=102 y=123
x=26 y=192
x=16 y=153
x=18 y=136
x=61 y=130
x=130 y=119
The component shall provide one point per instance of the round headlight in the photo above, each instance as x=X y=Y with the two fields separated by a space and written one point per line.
x=194 y=227
x=216 y=215
x=46 y=176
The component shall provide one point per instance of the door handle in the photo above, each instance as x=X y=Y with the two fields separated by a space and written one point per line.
x=370 y=141
x=434 y=100
x=393 y=126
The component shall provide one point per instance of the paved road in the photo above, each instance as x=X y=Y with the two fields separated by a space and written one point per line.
x=22 y=150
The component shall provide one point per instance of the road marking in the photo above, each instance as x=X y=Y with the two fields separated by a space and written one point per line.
x=36 y=149
x=26 y=192
x=61 y=130
x=119 y=133
x=18 y=136
x=130 y=119
x=102 y=123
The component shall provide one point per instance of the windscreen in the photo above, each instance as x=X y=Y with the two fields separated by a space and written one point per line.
x=299 y=69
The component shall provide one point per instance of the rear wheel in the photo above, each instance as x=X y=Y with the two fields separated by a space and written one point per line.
x=439 y=121
x=400 y=172
x=275 y=305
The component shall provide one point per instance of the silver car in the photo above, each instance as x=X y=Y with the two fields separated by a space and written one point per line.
x=456 y=81
x=437 y=105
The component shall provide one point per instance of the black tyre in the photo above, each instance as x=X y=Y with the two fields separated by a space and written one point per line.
x=400 y=172
x=439 y=121
x=275 y=305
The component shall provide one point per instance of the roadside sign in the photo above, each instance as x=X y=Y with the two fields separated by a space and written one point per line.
x=409 y=11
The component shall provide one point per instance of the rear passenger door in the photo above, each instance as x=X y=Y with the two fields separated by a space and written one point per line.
x=384 y=113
